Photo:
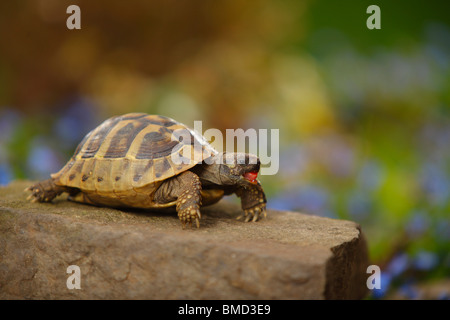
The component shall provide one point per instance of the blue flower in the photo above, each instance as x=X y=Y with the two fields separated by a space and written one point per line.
x=443 y=230
x=385 y=283
x=444 y=295
x=418 y=224
x=409 y=292
x=76 y=122
x=9 y=120
x=43 y=160
x=398 y=264
x=425 y=260
x=359 y=205
x=436 y=184
x=312 y=200
x=5 y=173
x=370 y=176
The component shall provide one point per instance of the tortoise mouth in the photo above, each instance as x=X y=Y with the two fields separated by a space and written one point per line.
x=251 y=176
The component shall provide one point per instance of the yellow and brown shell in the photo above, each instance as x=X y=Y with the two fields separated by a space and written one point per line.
x=130 y=152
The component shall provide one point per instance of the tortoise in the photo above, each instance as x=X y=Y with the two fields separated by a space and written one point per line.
x=153 y=162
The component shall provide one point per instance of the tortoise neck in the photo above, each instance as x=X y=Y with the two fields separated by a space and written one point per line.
x=209 y=174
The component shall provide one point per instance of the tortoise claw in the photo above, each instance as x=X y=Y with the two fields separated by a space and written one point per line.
x=254 y=214
x=248 y=215
x=189 y=216
x=44 y=191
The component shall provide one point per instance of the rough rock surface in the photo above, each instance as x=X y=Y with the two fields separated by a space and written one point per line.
x=142 y=255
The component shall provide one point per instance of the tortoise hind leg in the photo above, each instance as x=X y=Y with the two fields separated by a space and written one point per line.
x=47 y=190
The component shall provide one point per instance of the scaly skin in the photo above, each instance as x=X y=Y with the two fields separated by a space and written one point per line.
x=189 y=200
x=47 y=190
x=253 y=201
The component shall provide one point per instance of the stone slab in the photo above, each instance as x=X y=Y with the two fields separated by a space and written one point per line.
x=124 y=254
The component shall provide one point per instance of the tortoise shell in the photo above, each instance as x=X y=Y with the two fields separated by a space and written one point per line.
x=130 y=152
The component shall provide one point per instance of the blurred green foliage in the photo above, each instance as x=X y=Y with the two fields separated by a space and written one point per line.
x=363 y=114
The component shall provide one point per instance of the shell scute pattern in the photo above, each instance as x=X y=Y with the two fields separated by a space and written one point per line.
x=128 y=152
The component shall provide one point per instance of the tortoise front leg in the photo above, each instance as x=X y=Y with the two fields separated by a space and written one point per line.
x=253 y=201
x=189 y=199
x=186 y=189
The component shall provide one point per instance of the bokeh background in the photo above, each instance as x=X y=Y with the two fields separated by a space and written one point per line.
x=363 y=114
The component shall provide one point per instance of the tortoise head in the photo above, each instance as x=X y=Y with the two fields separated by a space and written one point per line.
x=239 y=168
